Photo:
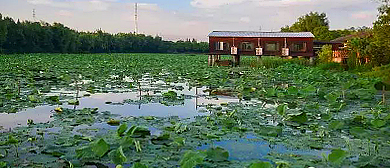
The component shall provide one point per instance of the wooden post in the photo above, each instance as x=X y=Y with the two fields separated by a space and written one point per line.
x=258 y=58
x=383 y=94
x=311 y=60
x=209 y=60
x=236 y=60
x=213 y=60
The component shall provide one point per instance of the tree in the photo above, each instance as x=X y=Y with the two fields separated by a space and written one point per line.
x=308 y=23
x=3 y=32
x=380 y=47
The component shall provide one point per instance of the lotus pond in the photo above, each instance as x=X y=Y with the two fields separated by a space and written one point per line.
x=161 y=110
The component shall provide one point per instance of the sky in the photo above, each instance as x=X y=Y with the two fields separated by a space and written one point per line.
x=182 y=19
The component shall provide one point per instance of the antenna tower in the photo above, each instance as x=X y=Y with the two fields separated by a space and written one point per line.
x=34 y=15
x=136 y=18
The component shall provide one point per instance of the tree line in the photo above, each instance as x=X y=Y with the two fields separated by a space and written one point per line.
x=318 y=24
x=375 y=46
x=41 y=37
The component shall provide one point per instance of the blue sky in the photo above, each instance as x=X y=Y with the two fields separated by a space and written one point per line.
x=181 y=19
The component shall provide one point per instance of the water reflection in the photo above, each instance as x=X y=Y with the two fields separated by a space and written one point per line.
x=193 y=105
x=253 y=148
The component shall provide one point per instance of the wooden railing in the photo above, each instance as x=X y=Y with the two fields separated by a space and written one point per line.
x=340 y=55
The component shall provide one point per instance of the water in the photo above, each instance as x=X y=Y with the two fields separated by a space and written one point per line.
x=253 y=148
x=193 y=105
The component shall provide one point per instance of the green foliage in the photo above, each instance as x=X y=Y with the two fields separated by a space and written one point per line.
x=281 y=109
x=3 y=164
x=12 y=140
x=336 y=125
x=379 y=48
x=261 y=165
x=308 y=23
x=382 y=72
x=325 y=55
x=139 y=165
x=274 y=62
x=217 y=154
x=121 y=129
x=136 y=131
x=41 y=37
x=299 y=118
x=192 y=158
x=337 y=156
x=100 y=147
x=170 y=95
x=117 y=156
x=318 y=24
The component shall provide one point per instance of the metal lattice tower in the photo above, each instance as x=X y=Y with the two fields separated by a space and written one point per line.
x=34 y=15
x=136 y=18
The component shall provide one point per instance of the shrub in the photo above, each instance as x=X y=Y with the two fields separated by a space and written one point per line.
x=273 y=62
x=325 y=55
x=331 y=66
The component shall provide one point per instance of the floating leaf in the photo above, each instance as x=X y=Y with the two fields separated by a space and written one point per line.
x=139 y=165
x=377 y=123
x=261 y=165
x=73 y=102
x=217 y=154
x=336 y=125
x=179 y=141
x=100 y=147
x=337 y=156
x=113 y=122
x=269 y=131
x=85 y=153
x=332 y=97
x=299 y=118
x=32 y=98
x=293 y=90
x=281 y=109
x=117 y=156
x=191 y=159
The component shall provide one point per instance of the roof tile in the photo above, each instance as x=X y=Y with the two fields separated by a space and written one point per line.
x=259 y=34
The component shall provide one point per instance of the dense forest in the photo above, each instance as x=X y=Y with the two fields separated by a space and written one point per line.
x=41 y=37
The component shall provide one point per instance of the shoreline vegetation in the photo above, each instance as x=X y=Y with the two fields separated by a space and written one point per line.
x=307 y=116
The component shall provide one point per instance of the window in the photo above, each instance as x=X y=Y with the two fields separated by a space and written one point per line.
x=299 y=46
x=272 y=46
x=222 y=46
x=246 y=46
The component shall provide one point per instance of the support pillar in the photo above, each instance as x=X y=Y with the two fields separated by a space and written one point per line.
x=213 y=57
x=258 y=58
x=311 y=60
x=209 y=60
x=236 y=60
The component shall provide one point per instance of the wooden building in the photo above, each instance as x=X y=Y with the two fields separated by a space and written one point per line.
x=237 y=43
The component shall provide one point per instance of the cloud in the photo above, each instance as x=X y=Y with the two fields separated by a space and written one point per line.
x=362 y=15
x=214 y=3
x=64 y=13
x=83 y=5
x=245 y=19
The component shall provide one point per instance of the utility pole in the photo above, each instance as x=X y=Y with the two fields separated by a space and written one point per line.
x=136 y=18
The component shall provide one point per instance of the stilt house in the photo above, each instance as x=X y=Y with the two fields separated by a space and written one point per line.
x=251 y=43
